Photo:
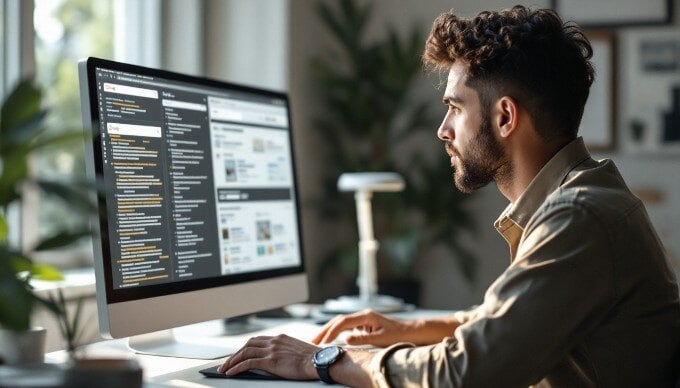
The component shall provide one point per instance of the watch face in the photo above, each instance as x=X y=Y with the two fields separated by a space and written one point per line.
x=327 y=355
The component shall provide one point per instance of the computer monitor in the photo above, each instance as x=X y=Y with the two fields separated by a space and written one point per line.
x=199 y=215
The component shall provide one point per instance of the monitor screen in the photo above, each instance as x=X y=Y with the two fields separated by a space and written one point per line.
x=198 y=183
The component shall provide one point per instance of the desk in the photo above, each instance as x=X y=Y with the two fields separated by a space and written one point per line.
x=183 y=372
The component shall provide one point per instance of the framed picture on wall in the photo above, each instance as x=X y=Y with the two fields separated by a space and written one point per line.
x=599 y=119
x=615 y=13
x=650 y=85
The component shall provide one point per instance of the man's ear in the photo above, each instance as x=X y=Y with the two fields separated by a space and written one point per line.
x=507 y=116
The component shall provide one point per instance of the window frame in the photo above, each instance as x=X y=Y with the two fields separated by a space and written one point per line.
x=18 y=60
x=18 y=56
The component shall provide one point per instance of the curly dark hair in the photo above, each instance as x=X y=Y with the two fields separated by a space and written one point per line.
x=530 y=55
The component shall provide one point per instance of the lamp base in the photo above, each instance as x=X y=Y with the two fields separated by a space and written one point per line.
x=351 y=304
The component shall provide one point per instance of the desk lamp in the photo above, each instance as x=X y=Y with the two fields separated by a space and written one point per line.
x=364 y=184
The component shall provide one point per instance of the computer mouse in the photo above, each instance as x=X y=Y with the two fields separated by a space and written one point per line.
x=253 y=374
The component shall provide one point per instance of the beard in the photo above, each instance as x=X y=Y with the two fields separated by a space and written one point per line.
x=481 y=162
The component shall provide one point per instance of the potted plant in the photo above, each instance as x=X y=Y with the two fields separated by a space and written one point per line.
x=370 y=115
x=21 y=133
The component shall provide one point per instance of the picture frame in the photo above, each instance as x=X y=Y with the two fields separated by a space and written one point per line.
x=650 y=89
x=598 y=124
x=615 y=13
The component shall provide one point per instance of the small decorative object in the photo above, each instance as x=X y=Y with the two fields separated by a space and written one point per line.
x=364 y=185
x=103 y=373
x=637 y=130
x=671 y=128
x=69 y=323
x=650 y=78
x=22 y=347
x=80 y=371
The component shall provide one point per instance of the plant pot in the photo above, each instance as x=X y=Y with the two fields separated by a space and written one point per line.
x=22 y=347
x=103 y=373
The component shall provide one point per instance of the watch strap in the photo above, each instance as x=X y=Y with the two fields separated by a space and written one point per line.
x=324 y=375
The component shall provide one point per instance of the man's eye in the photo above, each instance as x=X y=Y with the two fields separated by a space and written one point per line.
x=454 y=109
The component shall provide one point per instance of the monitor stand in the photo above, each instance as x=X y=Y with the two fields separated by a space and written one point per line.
x=241 y=325
x=164 y=343
x=352 y=304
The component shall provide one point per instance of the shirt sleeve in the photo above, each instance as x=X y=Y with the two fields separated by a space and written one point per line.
x=557 y=289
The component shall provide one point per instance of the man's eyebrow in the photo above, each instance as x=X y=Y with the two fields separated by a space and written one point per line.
x=447 y=100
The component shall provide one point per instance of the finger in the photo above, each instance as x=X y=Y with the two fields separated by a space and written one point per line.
x=324 y=329
x=345 y=323
x=228 y=362
x=365 y=315
x=244 y=353
x=253 y=363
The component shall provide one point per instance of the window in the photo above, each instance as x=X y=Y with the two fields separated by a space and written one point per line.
x=50 y=36
x=65 y=31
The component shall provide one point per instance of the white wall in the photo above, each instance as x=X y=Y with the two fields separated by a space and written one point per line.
x=444 y=286
x=247 y=42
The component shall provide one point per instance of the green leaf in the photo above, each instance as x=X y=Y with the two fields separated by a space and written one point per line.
x=58 y=139
x=49 y=303
x=74 y=194
x=76 y=330
x=46 y=272
x=23 y=133
x=18 y=263
x=62 y=239
x=16 y=299
x=3 y=230
x=16 y=303
x=15 y=170
x=22 y=105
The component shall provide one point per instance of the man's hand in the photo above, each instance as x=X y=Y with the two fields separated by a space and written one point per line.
x=291 y=359
x=283 y=356
x=379 y=330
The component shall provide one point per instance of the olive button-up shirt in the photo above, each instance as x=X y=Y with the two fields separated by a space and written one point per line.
x=588 y=299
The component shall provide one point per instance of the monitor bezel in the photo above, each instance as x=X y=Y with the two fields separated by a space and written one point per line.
x=102 y=248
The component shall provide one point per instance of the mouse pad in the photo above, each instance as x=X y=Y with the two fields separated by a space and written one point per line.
x=212 y=372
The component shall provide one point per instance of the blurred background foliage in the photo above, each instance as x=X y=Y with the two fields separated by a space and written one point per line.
x=23 y=132
x=369 y=119
x=65 y=30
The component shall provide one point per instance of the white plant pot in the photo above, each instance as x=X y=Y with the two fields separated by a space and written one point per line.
x=22 y=347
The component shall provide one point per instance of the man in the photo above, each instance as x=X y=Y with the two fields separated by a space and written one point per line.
x=588 y=299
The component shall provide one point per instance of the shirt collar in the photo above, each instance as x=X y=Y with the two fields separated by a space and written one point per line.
x=548 y=179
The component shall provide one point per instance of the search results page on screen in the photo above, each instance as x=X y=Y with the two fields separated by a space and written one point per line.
x=199 y=180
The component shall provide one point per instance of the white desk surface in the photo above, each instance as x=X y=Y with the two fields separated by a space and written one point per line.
x=183 y=372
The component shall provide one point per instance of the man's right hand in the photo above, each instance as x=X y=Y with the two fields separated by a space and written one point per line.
x=378 y=330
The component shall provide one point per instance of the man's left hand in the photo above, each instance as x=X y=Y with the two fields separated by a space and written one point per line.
x=282 y=355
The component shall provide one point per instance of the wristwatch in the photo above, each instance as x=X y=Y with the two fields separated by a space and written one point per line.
x=323 y=359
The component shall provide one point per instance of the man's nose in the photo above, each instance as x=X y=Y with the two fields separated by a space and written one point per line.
x=445 y=131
